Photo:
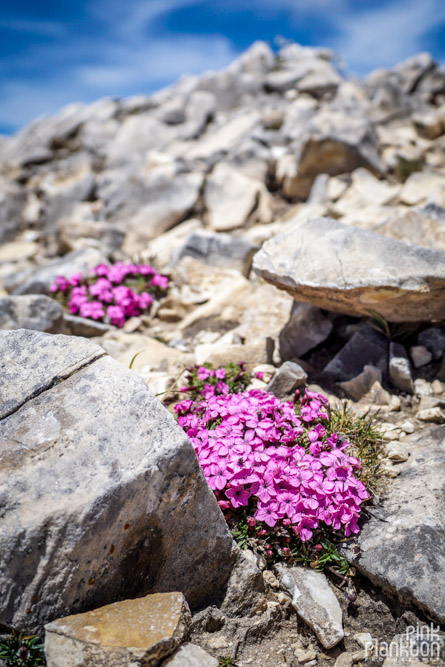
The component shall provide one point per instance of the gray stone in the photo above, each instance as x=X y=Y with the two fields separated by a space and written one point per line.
x=308 y=75
x=230 y=197
x=307 y=328
x=148 y=204
x=360 y=385
x=82 y=326
x=333 y=144
x=399 y=368
x=109 y=477
x=36 y=312
x=314 y=601
x=190 y=655
x=362 y=272
x=12 y=203
x=420 y=356
x=131 y=633
x=78 y=261
x=401 y=546
x=367 y=346
x=245 y=586
x=220 y=250
x=433 y=339
x=75 y=234
x=289 y=377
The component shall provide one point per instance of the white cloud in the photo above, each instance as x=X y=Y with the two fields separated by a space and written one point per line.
x=384 y=36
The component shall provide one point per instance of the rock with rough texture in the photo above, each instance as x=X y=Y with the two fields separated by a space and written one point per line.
x=362 y=272
x=78 y=261
x=418 y=647
x=333 y=143
x=314 y=601
x=12 y=203
x=31 y=311
x=360 y=385
x=97 y=532
x=366 y=347
x=400 y=368
x=307 y=327
x=148 y=204
x=219 y=250
x=245 y=586
x=123 y=634
x=190 y=655
x=231 y=197
x=289 y=377
x=401 y=545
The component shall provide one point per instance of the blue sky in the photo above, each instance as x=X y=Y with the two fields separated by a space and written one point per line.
x=53 y=52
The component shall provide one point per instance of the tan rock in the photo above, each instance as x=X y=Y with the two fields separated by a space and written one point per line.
x=132 y=632
x=153 y=356
x=419 y=186
x=252 y=354
x=18 y=250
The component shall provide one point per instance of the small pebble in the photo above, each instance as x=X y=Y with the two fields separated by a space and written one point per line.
x=282 y=597
x=270 y=579
x=344 y=660
x=396 y=452
x=389 y=431
x=218 y=642
x=408 y=427
x=437 y=387
x=304 y=656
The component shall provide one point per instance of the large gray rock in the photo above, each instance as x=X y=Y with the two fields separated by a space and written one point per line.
x=361 y=272
x=31 y=311
x=314 y=601
x=102 y=497
x=289 y=377
x=219 y=250
x=366 y=347
x=148 y=204
x=401 y=546
x=333 y=143
x=77 y=261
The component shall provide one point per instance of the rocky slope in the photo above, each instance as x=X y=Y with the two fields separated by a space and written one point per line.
x=277 y=172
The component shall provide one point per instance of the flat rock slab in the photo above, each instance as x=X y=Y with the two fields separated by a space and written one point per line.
x=127 y=633
x=402 y=544
x=37 y=312
x=354 y=271
x=314 y=601
x=101 y=495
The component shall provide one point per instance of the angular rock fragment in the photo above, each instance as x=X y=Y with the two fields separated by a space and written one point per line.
x=362 y=272
x=307 y=327
x=401 y=545
x=399 y=368
x=123 y=634
x=219 y=250
x=95 y=478
x=314 y=601
x=366 y=347
x=37 y=312
x=289 y=377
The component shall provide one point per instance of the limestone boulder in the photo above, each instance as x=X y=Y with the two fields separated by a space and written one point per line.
x=102 y=497
x=401 y=545
x=360 y=273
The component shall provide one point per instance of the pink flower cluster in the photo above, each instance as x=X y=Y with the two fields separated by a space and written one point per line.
x=259 y=453
x=113 y=293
